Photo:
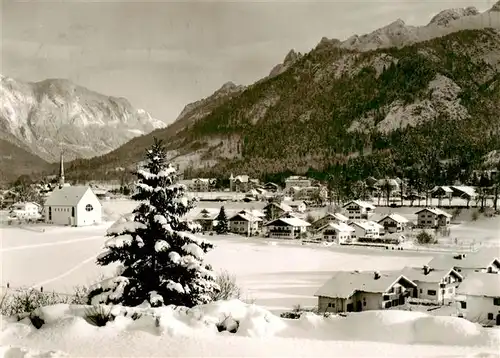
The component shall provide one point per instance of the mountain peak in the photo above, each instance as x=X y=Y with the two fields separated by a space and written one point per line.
x=496 y=7
x=446 y=16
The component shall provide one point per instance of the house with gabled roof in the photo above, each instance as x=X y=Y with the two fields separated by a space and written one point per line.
x=244 y=223
x=484 y=260
x=393 y=223
x=25 y=210
x=329 y=218
x=359 y=210
x=362 y=291
x=433 y=218
x=365 y=230
x=274 y=210
x=479 y=298
x=206 y=219
x=436 y=285
x=74 y=206
x=339 y=233
x=296 y=205
x=286 y=228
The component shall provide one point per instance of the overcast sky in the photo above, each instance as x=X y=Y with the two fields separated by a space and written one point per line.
x=162 y=55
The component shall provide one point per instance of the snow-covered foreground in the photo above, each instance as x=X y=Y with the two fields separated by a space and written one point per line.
x=176 y=332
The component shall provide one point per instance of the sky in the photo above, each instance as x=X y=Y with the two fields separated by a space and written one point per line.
x=162 y=55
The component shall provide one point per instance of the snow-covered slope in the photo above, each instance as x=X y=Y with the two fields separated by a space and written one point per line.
x=246 y=331
x=399 y=34
x=39 y=116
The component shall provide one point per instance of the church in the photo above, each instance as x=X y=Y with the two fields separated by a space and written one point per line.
x=72 y=205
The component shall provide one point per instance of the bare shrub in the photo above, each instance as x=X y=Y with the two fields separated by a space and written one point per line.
x=26 y=300
x=98 y=315
x=228 y=288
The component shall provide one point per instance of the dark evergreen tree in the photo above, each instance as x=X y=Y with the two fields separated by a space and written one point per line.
x=161 y=261
x=222 y=226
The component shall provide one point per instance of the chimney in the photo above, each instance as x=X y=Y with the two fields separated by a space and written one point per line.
x=376 y=275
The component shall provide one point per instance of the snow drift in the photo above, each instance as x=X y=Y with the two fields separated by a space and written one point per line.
x=66 y=329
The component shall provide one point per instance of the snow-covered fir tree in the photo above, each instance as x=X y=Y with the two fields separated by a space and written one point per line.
x=222 y=226
x=160 y=260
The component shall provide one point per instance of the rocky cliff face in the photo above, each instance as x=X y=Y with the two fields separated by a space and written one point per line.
x=43 y=116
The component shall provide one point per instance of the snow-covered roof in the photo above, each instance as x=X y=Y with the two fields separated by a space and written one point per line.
x=294 y=203
x=480 y=284
x=207 y=214
x=67 y=196
x=344 y=284
x=446 y=189
x=435 y=211
x=334 y=216
x=367 y=225
x=396 y=217
x=477 y=260
x=245 y=216
x=339 y=227
x=290 y=221
x=282 y=206
x=241 y=178
x=433 y=275
x=360 y=203
x=254 y=212
x=465 y=189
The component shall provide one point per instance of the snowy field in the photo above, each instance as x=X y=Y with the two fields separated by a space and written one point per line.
x=273 y=274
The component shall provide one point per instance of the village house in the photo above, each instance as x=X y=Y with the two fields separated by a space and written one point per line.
x=297 y=181
x=274 y=210
x=365 y=230
x=339 y=233
x=242 y=183
x=74 y=206
x=479 y=298
x=362 y=291
x=464 y=192
x=25 y=211
x=286 y=228
x=442 y=192
x=206 y=219
x=484 y=260
x=308 y=193
x=359 y=210
x=202 y=184
x=298 y=206
x=393 y=223
x=329 y=218
x=433 y=218
x=436 y=285
x=255 y=213
x=244 y=223
x=271 y=187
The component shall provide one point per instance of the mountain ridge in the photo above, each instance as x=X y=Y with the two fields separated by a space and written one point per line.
x=41 y=116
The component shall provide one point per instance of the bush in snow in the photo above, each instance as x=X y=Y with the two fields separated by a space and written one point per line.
x=161 y=261
x=25 y=300
x=98 y=315
x=228 y=288
x=222 y=226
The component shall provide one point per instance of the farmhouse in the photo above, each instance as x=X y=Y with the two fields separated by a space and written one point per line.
x=244 y=223
x=359 y=210
x=365 y=230
x=361 y=291
x=257 y=214
x=464 y=192
x=441 y=192
x=433 y=218
x=206 y=218
x=435 y=285
x=393 y=223
x=485 y=260
x=271 y=187
x=242 y=183
x=298 y=206
x=274 y=210
x=74 y=206
x=479 y=297
x=287 y=228
x=25 y=210
x=329 y=218
x=338 y=233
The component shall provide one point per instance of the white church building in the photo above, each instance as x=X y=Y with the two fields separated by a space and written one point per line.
x=72 y=205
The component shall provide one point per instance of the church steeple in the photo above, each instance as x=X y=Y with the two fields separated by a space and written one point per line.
x=61 y=170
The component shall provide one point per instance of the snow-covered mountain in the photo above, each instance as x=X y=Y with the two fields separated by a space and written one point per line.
x=42 y=116
x=398 y=34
